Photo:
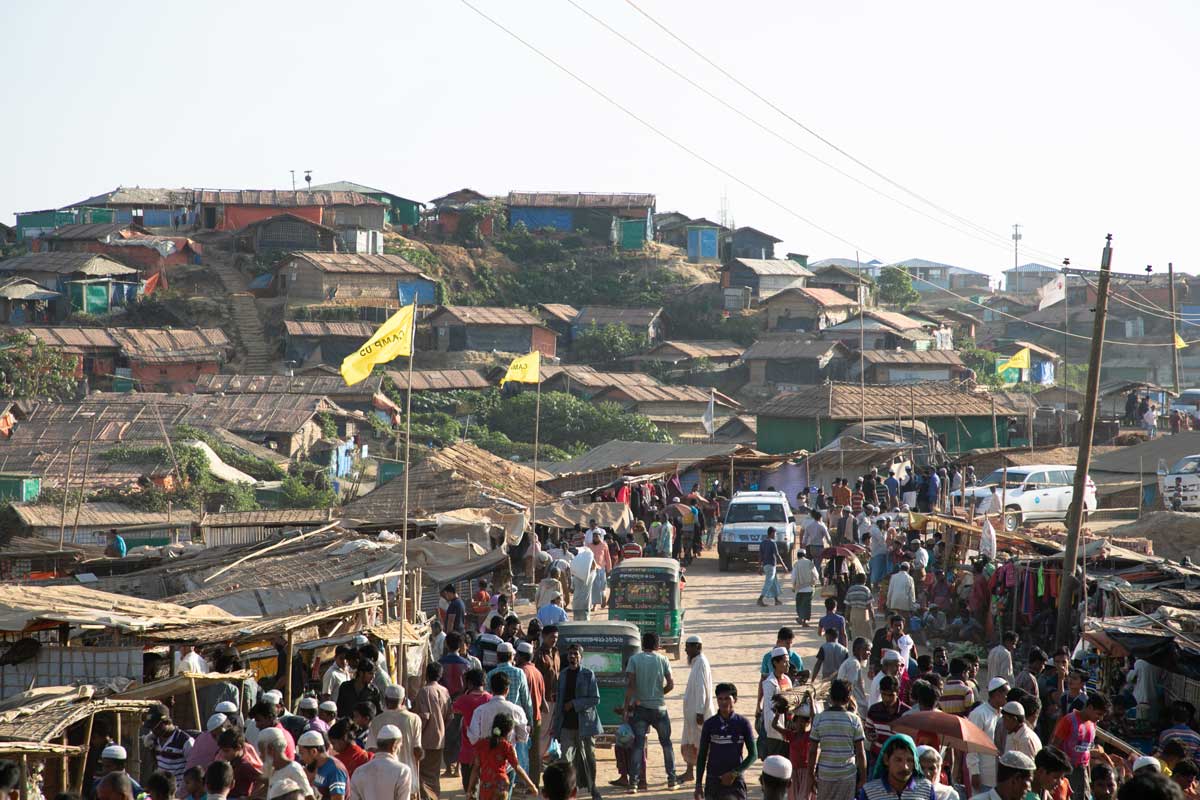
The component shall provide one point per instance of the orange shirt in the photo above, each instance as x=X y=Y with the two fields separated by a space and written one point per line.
x=481 y=602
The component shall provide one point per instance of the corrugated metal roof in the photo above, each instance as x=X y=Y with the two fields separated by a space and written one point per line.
x=848 y=401
x=434 y=380
x=1033 y=267
x=703 y=348
x=357 y=330
x=97 y=514
x=756 y=232
x=482 y=315
x=664 y=394
x=787 y=348
x=826 y=298
x=170 y=345
x=774 y=266
x=351 y=186
x=560 y=311
x=386 y=264
x=277 y=516
x=894 y=319
x=579 y=200
x=90 y=264
x=618 y=453
x=943 y=357
x=837 y=273
x=616 y=315
x=284 y=384
x=591 y=378
x=87 y=231
x=283 y=198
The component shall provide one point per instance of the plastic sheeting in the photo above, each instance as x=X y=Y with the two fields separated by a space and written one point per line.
x=616 y=516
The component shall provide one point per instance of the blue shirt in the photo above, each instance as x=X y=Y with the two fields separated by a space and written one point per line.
x=456 y=616
x=727 y=738
x=118 y=544
x=834 y=622
x=329 y=778
x=768 y=552
x=793 y=657
x=551 y=614
x=893 y=485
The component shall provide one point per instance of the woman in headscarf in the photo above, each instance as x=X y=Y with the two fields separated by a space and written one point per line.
x=897 y=774
x=930 y=761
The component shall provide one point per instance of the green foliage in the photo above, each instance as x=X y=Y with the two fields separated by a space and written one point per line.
x=569 y=422
x=473 y=216
x=257 y=468
x=325 y=313
x=607 y=345
x=29 y=368
x=895 y=288
x=702 y=318
x=982 y=361
x=328 y=424
x=525 y=248
x=296 y=493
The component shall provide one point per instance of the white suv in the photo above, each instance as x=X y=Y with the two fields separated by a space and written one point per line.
x=745 y=527
x=1037 y=492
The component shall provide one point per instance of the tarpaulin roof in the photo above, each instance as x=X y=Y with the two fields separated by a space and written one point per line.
x=24 y=605
x=168 y=687
x=616 y=516
x=254 y=630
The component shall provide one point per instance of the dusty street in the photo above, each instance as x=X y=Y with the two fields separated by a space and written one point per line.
x=721 y=608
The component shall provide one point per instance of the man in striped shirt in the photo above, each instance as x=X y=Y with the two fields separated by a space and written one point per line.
x=860 y=608
x=1180 y=731
x=631 y=549
x=837 y=759
x=957 y=695
x=171 y=744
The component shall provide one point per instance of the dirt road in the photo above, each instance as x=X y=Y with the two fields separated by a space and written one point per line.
x=721 y=608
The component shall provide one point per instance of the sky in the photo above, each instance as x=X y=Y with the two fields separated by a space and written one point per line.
x=1070 y=118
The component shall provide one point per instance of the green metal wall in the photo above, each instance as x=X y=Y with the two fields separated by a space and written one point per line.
x=779 y=435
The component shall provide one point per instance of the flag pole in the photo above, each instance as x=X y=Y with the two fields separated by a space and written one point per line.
x=537 y=421
x=412 y=354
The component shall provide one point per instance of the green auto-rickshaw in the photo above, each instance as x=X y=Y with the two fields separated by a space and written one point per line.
x=607 y=647
x=646 y=592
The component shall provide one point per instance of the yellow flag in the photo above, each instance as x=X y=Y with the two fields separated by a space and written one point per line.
x=1180 y=344
x=524 y=369
x=393 y=339
x=1019 y=360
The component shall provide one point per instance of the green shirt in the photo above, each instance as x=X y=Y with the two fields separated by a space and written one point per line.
x=650 y=671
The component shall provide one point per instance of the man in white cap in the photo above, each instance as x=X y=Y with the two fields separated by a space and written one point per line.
x=231 y=712
x=986 y=717
x=112 y=759
x=698 y=703
x=329 y=776
x=518 y=693
x=205 y=748
x=285 y=789
x=1144 y=764
x=307 y=709
x=1014 y=777
x=889 y=664
x=537 y=704
x=327 y=713
x=408 y=723
x=277 y=767
x=384 y=777
x=1018 y=736
x=775 y=778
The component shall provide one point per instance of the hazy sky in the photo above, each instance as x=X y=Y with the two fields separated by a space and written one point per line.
x=1070 y=117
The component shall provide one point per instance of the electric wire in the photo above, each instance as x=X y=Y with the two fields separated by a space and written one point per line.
x=815 y=134
x=755 y=190
x=993 y=239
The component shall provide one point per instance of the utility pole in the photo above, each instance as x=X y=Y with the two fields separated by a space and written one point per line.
x=1087 y=430
x=1174 y=328
x=1016 y=237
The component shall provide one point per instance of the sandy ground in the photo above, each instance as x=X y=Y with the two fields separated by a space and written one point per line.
x=721 y=608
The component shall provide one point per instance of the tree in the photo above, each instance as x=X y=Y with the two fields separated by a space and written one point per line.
x=567 y=421
x=608 y=344
x=895 y=288
x=29 y=368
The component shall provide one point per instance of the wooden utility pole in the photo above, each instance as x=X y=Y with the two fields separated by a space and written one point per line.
x=1087 y=430
x=1174 y=328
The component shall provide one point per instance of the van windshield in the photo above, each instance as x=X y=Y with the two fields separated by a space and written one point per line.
x=755 y=512
x=1015 y=478
x=1188 y=465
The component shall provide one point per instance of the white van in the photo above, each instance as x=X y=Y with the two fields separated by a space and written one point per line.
x=1187 y=471
x=1039 y=492
x=746 y=521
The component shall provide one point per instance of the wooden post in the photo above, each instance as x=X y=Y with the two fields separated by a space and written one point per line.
x=912 y=407
x=87 y=461
x=65 y=780
x=62 y=527
x=287 y=675
x=77 y=786
x=24 y=790
x=1141 y=487
x=1003 y=493
x=383 y=592
x=196 y=703
x=403 y=620
x=995 y=435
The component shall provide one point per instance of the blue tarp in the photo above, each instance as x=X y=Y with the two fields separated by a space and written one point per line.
x=562 y=219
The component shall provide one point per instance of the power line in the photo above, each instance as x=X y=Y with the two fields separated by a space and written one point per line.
x=998 y=242
x=824 y=140
x=755 y=190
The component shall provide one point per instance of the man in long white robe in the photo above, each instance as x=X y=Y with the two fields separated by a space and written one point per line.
x=698 y=703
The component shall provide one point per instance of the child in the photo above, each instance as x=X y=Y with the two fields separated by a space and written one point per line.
x=492 y=757
x=193 y=784
x=801 y=787
x=833 y=621
x=160 y=786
